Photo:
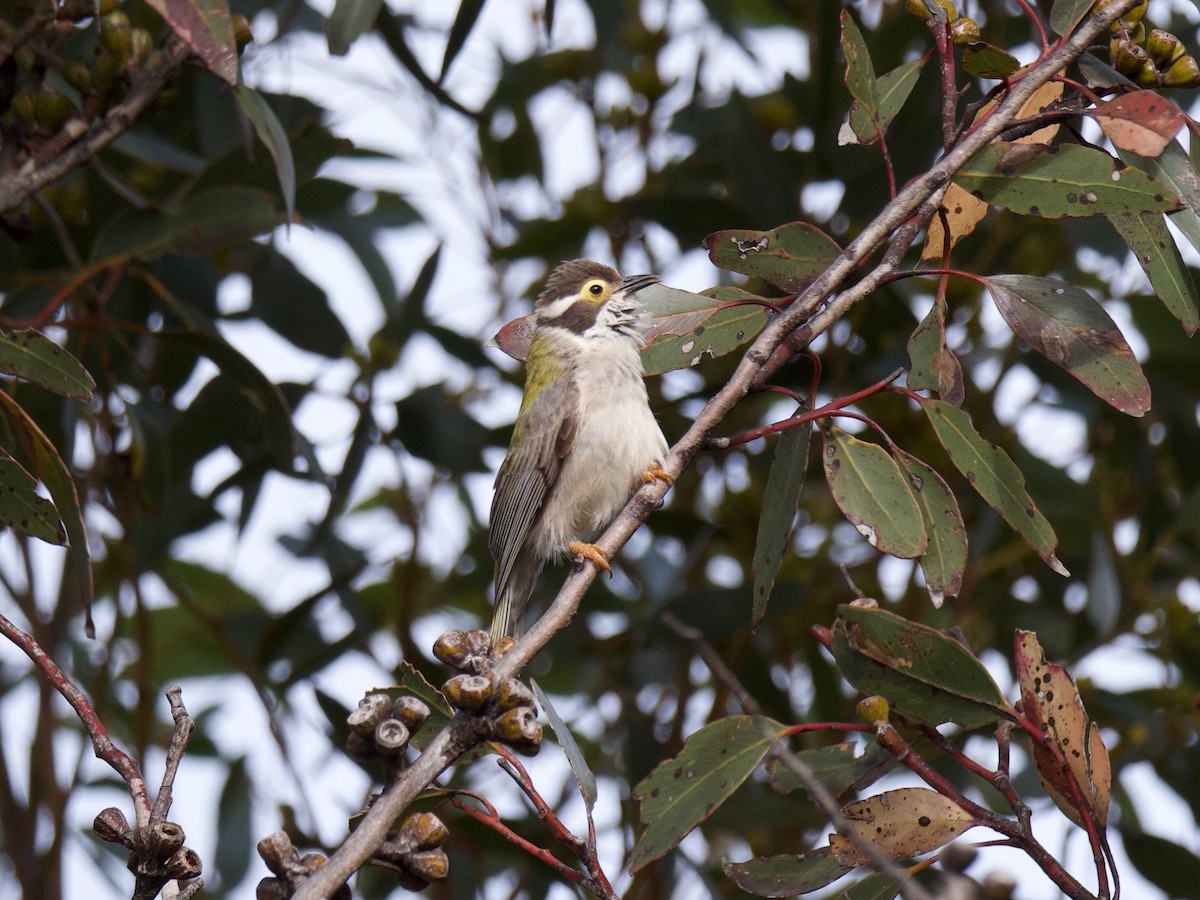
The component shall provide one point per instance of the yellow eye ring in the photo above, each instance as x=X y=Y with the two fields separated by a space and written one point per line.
x=596 y=289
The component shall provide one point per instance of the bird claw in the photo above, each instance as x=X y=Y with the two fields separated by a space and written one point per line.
x=582 y=550
x=656 y=473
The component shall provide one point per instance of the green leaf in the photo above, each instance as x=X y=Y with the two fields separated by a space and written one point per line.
x=1151 y=243
x=945 y=556
x=1071 y=329
x=682 y=792
x=1066 y=14
x=48 y=467
x=720 y=324
x=873 y=887
x=575 y=759
x=893 y=90
x=1173 y=869
x=789 y=257
x=924 y=674
x=234 y=833
x=995 y=476
x=468 y=12
x=206 y=27
x=1174 y=168
x=34 y=357
x=786 y=876
x=781 y=496
x=1064 y=180
x=835 y=766
x=270 y=131
x=349 y=19
x=983 y=60
x=433 y=426
x=870 y=490
x=21 y=509
x=209 y=220
x=932 y=365
x=288 y=302
x=860 y=72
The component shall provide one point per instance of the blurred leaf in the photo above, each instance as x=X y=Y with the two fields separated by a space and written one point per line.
x=349 y=19
x=468 y=13
x=21 y=509
x=1066 y=14
x=44 y=463
x=901 y=823
x=835 y=766
x=235 y=836
x=434 y=427
x=873 y=887
x=392 y=31
x=1174 y=168
x=206 y=27
x=789 y=257
x=1065 y=180
x=34 y=357
x=893 y=89
x=1173 y=869
x=983 y=60
x=570 y=747
x=1143 y=122
x=270 y=131
x=1104 y=587
x=406 y=317
x=995 y=476
x=208 y=220
x=1152 y=245
x=288 y=302
x=945 y=557
x=786 y=876
x=1067 y=326
x=924 y=674
x=781 y=497
x=860 y=72
x=682 y=792
x=871 y=492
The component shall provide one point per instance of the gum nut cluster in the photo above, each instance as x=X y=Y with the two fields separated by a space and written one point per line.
x=289 y=869
x=381 y=727
x=156 y=852
x=507 y=704
x=414 y=853
x=1154 y=59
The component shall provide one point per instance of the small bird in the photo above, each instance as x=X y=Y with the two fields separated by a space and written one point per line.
x=584 y=438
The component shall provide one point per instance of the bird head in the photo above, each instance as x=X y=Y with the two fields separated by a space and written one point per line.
x=588 y=298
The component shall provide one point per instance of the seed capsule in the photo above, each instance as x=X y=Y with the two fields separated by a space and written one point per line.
x=424 y=831
x=411 y=711
x=1184 y=73
x=371 y=710
x=469 y=693
x=512 y=693
x=520 y=729
x=452 y=648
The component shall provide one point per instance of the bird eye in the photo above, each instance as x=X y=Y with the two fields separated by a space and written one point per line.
x=596 y=289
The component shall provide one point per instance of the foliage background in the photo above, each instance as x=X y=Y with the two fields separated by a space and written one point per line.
x=280 y=544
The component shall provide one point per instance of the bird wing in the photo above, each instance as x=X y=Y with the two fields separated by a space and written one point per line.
x=530 y=471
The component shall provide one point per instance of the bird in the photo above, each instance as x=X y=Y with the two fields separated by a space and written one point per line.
x=585 y=437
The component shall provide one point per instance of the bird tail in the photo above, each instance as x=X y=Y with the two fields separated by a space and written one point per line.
x=512 y=597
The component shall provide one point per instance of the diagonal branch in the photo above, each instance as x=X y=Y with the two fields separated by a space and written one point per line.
x=896 y=226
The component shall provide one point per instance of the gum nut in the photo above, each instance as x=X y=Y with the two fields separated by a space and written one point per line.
x=362 y=746
x=371 y=710
x=278 y=852
x=272 y=889
x=479 y=642
x=873 y=710
x=512 y=693
x=111 y=825
x=469 y=693
x=411 y=881
x=411 y=711
x=503 y=645
x=1183 y=73
x=424 y=830
x=432 y=865
x=964 y=31
x=520 y=729
x=391 y=736
x=1164 y=48
x=451 y=647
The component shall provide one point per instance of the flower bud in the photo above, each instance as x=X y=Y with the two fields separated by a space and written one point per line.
x=964 y=31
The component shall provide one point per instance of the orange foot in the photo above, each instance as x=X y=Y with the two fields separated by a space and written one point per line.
x=583 y=550
x=655 y=473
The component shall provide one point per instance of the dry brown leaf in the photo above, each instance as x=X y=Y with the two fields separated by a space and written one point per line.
x=901 y=823
x=1143 y=122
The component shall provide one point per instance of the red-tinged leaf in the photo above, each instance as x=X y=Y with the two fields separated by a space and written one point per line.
x=995 y=476
x=789 y=257
x=21 y=509
x=515 y=337
x=781 y=496
x=1050 y=699
x=1064 y=180
x=901 y=823
x=945 y=557
x=1143 y=122
x=1151 y=243
x=682 y=792
x=786 y=876
x=1071 y=329
x=986 y=61
x=48 y=467
x=924 y=674
x=870 y=490
x=34 y=357
x=206 y=27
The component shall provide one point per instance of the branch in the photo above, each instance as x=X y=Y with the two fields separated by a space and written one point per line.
x=36 y=173
x=807 y=318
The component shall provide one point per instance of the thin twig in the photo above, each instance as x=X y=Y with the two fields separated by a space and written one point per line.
x=179 y=741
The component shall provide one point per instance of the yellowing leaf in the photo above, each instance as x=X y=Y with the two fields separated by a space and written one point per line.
x=1143 y=122
x=901 y=823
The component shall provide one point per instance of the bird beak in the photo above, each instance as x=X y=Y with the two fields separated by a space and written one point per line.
x=635 y=283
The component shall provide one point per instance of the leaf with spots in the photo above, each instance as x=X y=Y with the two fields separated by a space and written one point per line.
x=945 y=556
x=786 y=876
x=682 y=792
x=34 y=357
x=871 y=492
x=933 y=365
x=1150 y=242
x=1079 y=776
x=789 y=257
x=924 y=674
x=208 y=29
x=983 y=60
x=1142 y=122
x=860 y=71
x=995 y=476
x=785 y=481
x=21 y=509
x=724 y=319
x=1065 y=180
x=1071 y=329
x=901 y=823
